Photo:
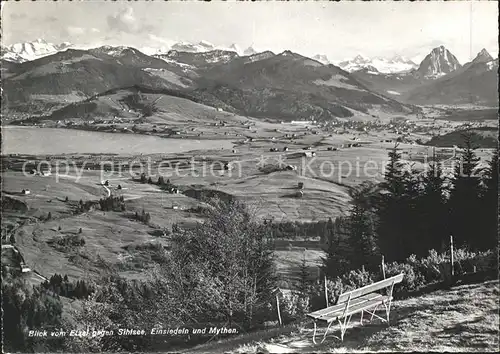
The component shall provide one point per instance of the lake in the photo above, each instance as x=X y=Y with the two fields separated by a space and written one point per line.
x=54 y=141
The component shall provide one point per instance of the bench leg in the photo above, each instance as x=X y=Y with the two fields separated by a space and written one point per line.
x=374 y=315
x=388 y=311
x=326 y=332
x=343 y=326
x=361 y=319
x=324 y=335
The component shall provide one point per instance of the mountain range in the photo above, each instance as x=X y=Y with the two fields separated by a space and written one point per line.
x=286 y=85
x=21 y=52
x=396 y=64
x=440 y=79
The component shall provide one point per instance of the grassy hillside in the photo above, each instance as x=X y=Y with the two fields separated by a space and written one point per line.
x=462 y=319
x=290 y=85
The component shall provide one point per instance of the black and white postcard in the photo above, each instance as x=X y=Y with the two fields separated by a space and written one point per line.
x=249 y=176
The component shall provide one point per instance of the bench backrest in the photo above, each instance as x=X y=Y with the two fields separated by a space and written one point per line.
x=370 y=288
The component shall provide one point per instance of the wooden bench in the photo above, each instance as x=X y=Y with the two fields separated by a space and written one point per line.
x=365 y=299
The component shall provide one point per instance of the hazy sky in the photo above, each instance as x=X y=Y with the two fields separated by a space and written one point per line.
x=338 y=29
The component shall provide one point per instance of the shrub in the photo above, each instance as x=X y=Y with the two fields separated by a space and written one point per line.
x=351 y=280
x=356 y=279
x=293 y=307
x=412 y=279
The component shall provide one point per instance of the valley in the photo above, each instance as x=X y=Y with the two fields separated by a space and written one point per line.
x=172 y=131
x=110 y=155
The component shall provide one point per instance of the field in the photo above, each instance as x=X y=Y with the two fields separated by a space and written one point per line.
x=462 y=319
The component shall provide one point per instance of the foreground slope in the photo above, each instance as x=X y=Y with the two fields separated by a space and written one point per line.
x=462 y=319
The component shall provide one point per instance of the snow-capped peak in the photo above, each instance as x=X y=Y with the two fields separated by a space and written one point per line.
x=250 y=51
x=21 y=52
x=323 y=59
x=235 y=48
x=113 y=51
x=259 y=56
x=360 y=59
x=202 y=46
x=402 y=59
x=205 y=44
x=396 y=64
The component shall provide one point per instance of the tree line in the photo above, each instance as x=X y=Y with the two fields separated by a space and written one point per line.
x=62 y=286
x=412 y=212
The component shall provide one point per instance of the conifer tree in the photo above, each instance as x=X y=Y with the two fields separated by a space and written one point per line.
x=488 y=237
x=338 y=250
x=304 y=281
x=390 y=207
x=432 y=211
x=465 y=208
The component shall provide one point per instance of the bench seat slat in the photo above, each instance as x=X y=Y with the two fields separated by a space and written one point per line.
x=370 y=288
x=356 y=308
x=340 y=307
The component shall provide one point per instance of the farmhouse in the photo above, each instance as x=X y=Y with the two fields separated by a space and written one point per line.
x=309 y=154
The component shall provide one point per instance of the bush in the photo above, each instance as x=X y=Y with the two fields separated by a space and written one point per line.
x=143 y=217
x=356 y=279
x=63 y=287
x=351 y=280
x=112 y=203
x=412 y=278
x=293 y=307
x=67 y=242
x=417 y=274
